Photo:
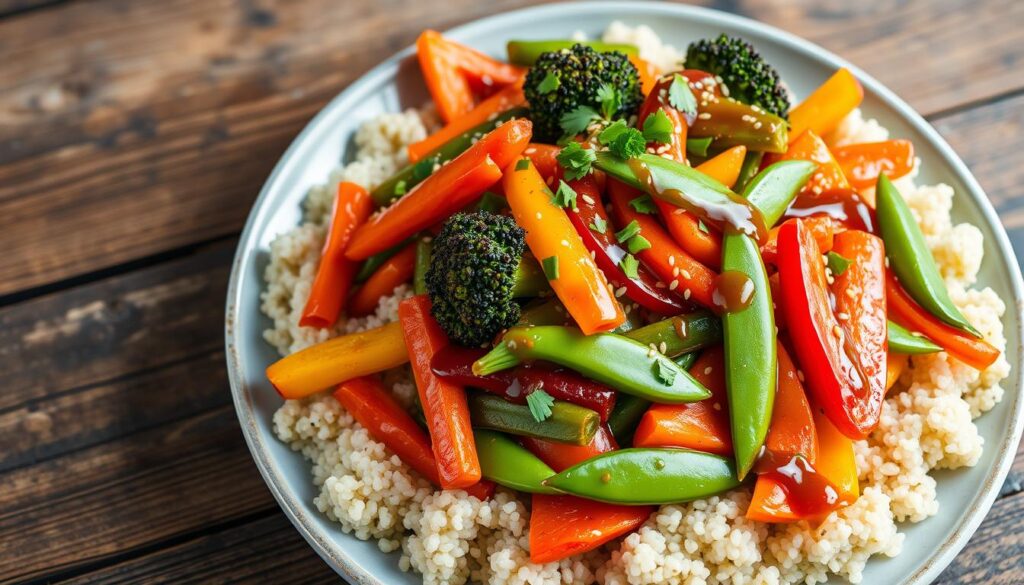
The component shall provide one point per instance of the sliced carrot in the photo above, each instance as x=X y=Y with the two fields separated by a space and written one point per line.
x=648 y=71
x=444 y=403
x=836 y=459
x=580 y=285
x=665 y=257
x=704 y=425
x=352 y=205
x=862 y=163
x=451 y=188
x=563 y=526
x=501 y=101
x=334 y=361
x=971 y=350
x=397 y=270
x=792 y=430
x=810 y=146
x=826 y=107
x=561 y=456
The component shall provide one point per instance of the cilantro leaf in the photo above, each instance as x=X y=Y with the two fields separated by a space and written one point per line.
x=540 y=403
x=658 y=128
x=565 y=196
x=680 y=96
x=632 y=229
x=698 y=146
x=613 y=131
x=599 y=224
x=665 y=371
x=644 y=204
x=522 y=164
x=630 y=266
x=608 y=96
x=401 y=188
x=550 y=83
x=550 y=266
x=838 y=264
x=576 y=160
x=577 y=120
x=637 y=243
x=629 y=144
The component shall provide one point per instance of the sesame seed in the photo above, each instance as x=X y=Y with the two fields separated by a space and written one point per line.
x=707 y=370
x=589 y=200
x=686 y=274
x=620 y=291
x=704 y=116
x=686 y=294
x=800 y=375
x=757 y=125
x=530 y=151
x=671 y=260
x=675 y=271
x=673 y=285
x=663 y=347
x=843 y=316
x=837 y=331
x=679 y=211
x=565 y=243
x=512 y=344
x=659 y=284
x=539 y=215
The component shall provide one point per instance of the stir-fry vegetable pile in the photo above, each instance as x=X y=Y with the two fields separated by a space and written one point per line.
x=634 y=287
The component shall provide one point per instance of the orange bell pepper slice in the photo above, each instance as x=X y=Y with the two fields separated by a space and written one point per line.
x=826 y=107
x=809 y=146
x=444 y=404
x=971 y=350
x=562 y=456
x=702 y=426
x=895 y=364
x=352 y=205
x=501 y=101
x=836 y=460
x=337 y=360
x=580 y=285
x=397 y=270
x=453 y=71
x=863 y=163
x=451 y=188
x=665 y=257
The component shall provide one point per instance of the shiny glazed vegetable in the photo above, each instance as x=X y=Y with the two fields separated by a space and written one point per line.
x=568 y=422
x=506 y=463
x=680 y=334
x=903 y=341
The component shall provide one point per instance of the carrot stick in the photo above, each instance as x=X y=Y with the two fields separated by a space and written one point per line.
x=704 y=425
x=562 y=526
x=574 y=276
x=451 y=188
x=809 y=146
x=792 y=430
x=337 y=360
x=397 y=270
x=971 y=350
x=665 y=258
x=826 y=107
x=352 y=205
x=505 y=99
x=444 y=404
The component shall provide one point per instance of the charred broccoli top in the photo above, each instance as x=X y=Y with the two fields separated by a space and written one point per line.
x=749 y=78
x=582 y=84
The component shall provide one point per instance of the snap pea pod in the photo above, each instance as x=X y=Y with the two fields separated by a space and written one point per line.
x=731 y=123
x=751 y=363
x=371 y=264
x=568 y=422
x=699 y=146
x=751 y=164
x=647 y=476
x=527 y=52
x=617 y=361
x=411 y=175
x=628 y=409
x=903 y=341
x=507 y=463
x=530 y=280
x=910 y=259
x=680 y=334
x=419 y=274
x=544 y=312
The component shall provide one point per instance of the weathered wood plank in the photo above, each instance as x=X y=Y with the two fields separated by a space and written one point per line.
x=268 y=550
x=995 y=553
x=154 y=123
x=15 y=7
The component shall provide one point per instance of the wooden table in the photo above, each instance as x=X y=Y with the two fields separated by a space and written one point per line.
x=134 y=136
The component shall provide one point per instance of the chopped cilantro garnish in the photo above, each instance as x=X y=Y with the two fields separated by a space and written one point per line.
x=637 y=243
x=665 y=371
x=644 y=204
x=629 y=144
x=550 y=265
x=698 y=146
x=599 y=224
x=613 y=131
x=658 y=128
x=565 y=196
x=550 y=83
x=630 y=265
x=608 y=96
x=400 y=188
x=632 y=229
x=576 y=121
x=680 y=96
x=540 y=403
x=576 y=160
x=838 y=264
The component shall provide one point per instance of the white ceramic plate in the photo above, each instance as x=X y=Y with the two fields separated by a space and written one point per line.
x=965 y=496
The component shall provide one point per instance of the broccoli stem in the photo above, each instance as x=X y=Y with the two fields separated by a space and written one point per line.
x=530 y=279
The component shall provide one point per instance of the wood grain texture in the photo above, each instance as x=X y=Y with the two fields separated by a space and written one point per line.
x=155 y=122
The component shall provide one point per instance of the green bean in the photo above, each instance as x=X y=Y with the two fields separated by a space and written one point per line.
x=680 y=334
x=507 y=463
x=527 y=52
x=903 y=341
x=568 y=422
x=629 y=409
x=419 y=275
x=371 y=264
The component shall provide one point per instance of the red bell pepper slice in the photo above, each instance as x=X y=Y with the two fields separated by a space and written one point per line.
x=451 y=188
x=656 y=100
x=642 y=290
x=862 y=163
x=821 y=227
x=455 y=364
x=444 y=403
x=840 y=386
x=561 y=456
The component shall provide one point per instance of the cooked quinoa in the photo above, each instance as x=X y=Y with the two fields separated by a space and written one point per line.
x=452 y=538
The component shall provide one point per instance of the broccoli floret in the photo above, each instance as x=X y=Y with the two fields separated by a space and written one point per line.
x=476 y=271
x=749 y=78
x=562 y=82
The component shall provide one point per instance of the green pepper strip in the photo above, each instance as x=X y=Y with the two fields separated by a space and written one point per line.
x=568 y=422
x=903 y=341
x=507 y=463
x=629 y=409
x=620 y=362
x=414 y=173
x=731 y=123
x=751 y=363
x=698 y=146
x=751 y=163
x=647 y=476
x=910 y=259
x=371 y=264
x=526 y=53
x=680 y=334
x=419 y=275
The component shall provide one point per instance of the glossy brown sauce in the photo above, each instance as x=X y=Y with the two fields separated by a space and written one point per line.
x=809 y=493
x=844 y=206
x=736 y=212
x=733 y=291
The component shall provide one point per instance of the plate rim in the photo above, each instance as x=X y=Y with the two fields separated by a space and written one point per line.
x=338 y=558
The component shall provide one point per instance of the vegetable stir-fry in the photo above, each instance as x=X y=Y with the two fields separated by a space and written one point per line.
x=633 y=287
